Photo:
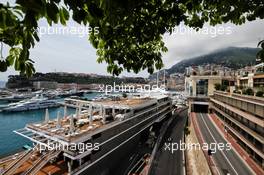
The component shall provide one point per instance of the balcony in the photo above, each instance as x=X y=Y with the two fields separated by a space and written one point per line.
x=251 y=104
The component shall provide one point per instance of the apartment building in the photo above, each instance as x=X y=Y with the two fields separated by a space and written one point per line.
x=176 y=82
x=251 y=77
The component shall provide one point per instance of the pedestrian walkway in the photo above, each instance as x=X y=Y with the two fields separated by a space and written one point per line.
x=195 y=157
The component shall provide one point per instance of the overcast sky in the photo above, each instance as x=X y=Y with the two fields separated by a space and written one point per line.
x=73 y=53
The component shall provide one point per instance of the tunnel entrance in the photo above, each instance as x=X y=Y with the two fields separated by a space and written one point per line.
x=200 y=108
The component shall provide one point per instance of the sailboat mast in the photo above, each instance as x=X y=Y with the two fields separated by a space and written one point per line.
x=164 y=78
x=158 y=79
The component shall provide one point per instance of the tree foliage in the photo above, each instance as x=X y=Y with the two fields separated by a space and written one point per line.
x=248 y=91
x=217 y=86
x=20 y=81
x=130 y=32
x=260 y=54
x=220 y=87
x=259 y=93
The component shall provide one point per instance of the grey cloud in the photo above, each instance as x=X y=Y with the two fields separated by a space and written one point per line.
x=187 y=46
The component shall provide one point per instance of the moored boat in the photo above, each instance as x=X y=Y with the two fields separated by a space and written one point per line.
x=37 y=102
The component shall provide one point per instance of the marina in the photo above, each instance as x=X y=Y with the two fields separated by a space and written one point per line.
x=9 y=141
x=15 y=96
x=104 y=124
x=37 y=102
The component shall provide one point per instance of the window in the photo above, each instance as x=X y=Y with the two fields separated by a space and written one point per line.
x=202 y=88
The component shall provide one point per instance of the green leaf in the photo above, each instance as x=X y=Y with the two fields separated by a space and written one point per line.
x=52 y=12
x=10 y=60
x=3 y=66
x=65 y=13
x=62 y=18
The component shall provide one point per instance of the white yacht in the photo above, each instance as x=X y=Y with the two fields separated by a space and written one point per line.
x=37 y=102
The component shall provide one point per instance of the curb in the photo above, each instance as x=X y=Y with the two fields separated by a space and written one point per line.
x=198 y=134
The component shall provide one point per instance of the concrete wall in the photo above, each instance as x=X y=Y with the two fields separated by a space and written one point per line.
x=211 y=85
x=45 y=85
x=252 y=107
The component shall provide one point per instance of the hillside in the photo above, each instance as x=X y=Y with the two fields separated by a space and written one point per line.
x=233 y=57
x=21 y=81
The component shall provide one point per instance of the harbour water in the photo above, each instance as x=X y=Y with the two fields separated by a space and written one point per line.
x=11 y=142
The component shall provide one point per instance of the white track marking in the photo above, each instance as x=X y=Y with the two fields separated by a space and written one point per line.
x=216 y=142
x=203 y=142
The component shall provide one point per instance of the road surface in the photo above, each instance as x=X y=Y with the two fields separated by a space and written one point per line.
x=226 y=161
x=166 y=162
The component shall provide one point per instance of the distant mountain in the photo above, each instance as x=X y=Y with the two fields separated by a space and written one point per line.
x=233 y=57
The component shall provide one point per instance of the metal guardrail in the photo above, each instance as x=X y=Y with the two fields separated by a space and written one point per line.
x=13 y=167
x=42 y=162
x=242 y=96
x=139 y=166
x=249 y=97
